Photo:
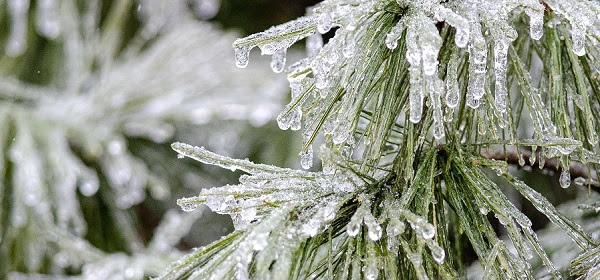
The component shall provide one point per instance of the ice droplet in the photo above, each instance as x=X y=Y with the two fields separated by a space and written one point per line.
x=242 y=56
x=314 y=44
x=188 y=207
x=306 y=158
x=278 y=60
x=578 y=36
x=438 y=253
x=374 y=230
x=349 y=48
x=352 y=228
x=462 y=37
x=17 y=40
x=428 y=231
x=565 y=179
x=324 y=22
x=188 y=203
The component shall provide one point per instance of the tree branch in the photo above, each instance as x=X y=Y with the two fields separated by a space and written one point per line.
x=577 y=169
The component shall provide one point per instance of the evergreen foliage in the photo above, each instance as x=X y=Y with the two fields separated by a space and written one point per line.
x=88 y=91
x=412 y=103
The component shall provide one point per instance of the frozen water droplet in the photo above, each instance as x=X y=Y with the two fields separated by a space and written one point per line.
x=188 y=207
x=438 y=253
x=462 y=37
x=352 y=228
x=565 y=179
x=321 y=79
x=180 y=156
x=89 y=188
x=306 y=158
x=349 y=48
x=324 y=22
x=314 y=44
x=278 y=60
x=578 y=42
x=242 y=56
x=428 y=231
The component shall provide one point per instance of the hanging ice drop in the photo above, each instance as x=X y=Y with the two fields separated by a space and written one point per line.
x=278 y=60
x=324 y=22
x=578 y=36
x=242 y=56
x=565 y=179
x=438 y=253
x=306 y=158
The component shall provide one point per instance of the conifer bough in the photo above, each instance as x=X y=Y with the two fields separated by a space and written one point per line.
x=411 y=96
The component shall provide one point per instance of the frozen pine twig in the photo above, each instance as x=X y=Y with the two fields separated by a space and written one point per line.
x=407 y=95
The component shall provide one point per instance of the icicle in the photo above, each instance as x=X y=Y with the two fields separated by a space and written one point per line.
x=353 y=226
x=16 y=43
x=452 y=90
x=374 y=230
x=565 y=178
x=436 y=92
x=324 y=22
x=437 y=252
x=321 y=79
x=242 y=56
x=578 y=37
x=413 y=55
x=349 y=47
x=461 y=38
x=430 y=42
x=542 y=159
x=477 y=68
x=415 y=95
x=391 y=40
x=278 y=60
x=314 y=44
x=47 y=21
x=306 y=158
x=500 y=62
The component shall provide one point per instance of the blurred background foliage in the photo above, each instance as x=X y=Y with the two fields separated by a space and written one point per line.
x=88 y=87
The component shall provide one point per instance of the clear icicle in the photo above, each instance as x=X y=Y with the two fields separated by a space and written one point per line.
x=565 y=178
x=374 y=230
x=349 y=47
x=477 y=68
x=415 y=95
x=500 y=62
x=452 y=90
x=306 y=158
x=242 y=56
x=436 y=93
x=321 y=79
x=278 y=60
x=314 y=44
x=430 y=43
x=48 y=20
x=16 y=43
x=391 y=40
x=578 y=37
x=324 y=22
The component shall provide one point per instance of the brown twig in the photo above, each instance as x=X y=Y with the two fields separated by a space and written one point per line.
x=577 y=169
